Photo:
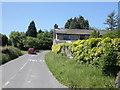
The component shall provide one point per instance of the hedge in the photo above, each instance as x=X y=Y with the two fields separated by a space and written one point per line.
x=8 y=53
x=98 y=52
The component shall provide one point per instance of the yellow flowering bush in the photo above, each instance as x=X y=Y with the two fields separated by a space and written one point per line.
x=104 y=53
x=57 y=48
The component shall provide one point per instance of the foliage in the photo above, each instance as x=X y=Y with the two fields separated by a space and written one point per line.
x=112 y=34
x=98 y=52
x=57 y=48
x=112 y=21
x=75 y=75
x=9 y=53
x=31 y=42
x=24 y=52
x=16 y=38
x=40 y=31
x=95 y=34
x=45 y=40
x=3 y=40
x=9 y=42
x=32 y=31
x=42 y=41
x=92 y=28
x=77 y=23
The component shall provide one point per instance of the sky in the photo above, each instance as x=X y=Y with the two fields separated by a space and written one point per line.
x=16 y=16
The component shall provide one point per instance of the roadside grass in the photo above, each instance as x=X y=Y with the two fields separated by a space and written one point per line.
x=75 y=75
x=44 y=50
x=24 y=52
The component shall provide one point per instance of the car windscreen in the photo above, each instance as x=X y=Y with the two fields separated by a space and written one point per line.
x=31 y=49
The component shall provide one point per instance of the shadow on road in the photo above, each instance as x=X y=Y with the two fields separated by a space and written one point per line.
x=32 y=53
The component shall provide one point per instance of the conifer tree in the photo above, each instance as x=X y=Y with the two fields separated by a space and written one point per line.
x=32 y=30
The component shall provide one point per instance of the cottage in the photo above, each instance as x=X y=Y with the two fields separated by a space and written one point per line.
x=71 y=35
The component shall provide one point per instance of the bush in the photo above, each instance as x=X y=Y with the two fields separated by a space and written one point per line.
x=4 y=58
x=9 y=53
x=112 y=34
x=57 y=48
x=103 y=53
x=95 y=34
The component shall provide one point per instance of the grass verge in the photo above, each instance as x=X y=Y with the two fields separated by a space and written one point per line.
x=75 y=75
x=24 y=52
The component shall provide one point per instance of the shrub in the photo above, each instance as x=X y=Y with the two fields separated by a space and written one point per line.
x=4 y=58
x=57 y=48
x=112 y=34
x=9 y=53
x=108 y=60
x=104 y=53
x=95 y=34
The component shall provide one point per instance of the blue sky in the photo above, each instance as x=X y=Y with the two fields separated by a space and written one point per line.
x=16 y=16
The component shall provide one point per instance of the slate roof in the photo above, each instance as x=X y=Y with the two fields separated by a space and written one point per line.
x=78 y=31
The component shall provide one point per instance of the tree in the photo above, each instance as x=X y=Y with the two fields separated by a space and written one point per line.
x=3 y=40
x=40 y=31
x=31 y=42
x=112 y=21
x=77 y=23
x=86 y=23
x=45 y=39
x=32 y=30
x=112 y=34
x=67 y=24
x=81 y=22
x=14 y=37
x=72 y=25
x=9 y=42
x=17 y=39
x=95 y=34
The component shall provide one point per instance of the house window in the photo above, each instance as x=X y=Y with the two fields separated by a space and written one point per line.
x=66 y=37
x=82 y=37
x=87 y=36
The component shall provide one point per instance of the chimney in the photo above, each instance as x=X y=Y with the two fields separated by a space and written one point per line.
x=55 y=26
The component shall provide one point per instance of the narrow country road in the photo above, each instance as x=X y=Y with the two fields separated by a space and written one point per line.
x=28 y=71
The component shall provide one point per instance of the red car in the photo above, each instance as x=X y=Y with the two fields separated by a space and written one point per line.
x=31 y=50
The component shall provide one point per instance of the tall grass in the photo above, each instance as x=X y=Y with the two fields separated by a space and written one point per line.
x=24 y=52
x=8 y=53
x=75 y=75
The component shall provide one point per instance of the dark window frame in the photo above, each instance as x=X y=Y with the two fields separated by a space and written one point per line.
x=66 y=37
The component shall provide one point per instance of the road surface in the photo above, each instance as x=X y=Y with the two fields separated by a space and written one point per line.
x=28 y=71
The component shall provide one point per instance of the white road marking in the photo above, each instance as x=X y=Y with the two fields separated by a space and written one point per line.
x=41 y=60
x=13 y=77
x=33 y=60
x=23 y=66
x=6 y=83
